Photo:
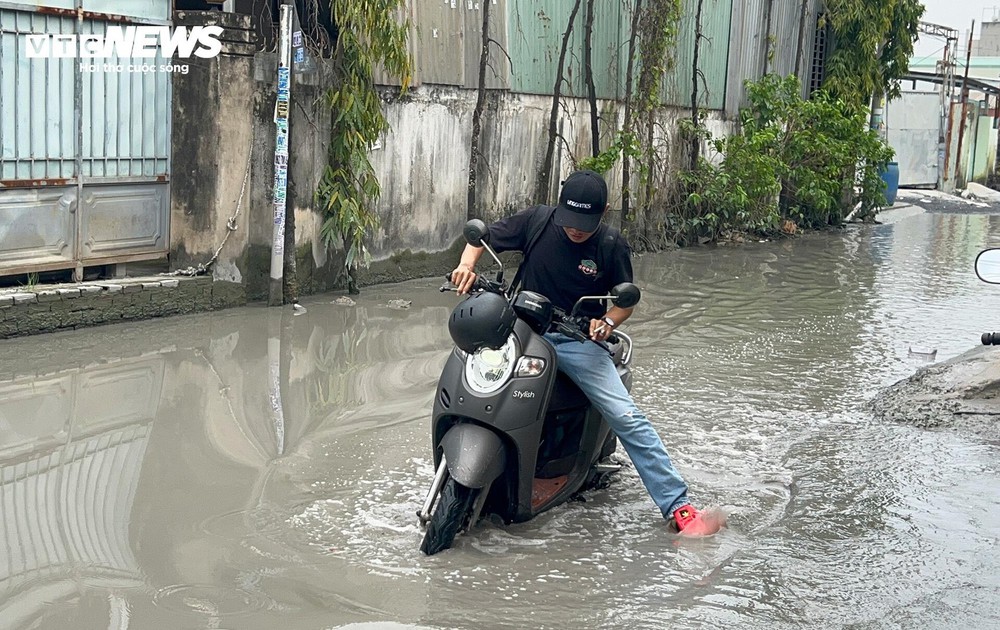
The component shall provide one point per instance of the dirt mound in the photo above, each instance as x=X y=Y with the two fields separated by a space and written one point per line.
x=962 y=393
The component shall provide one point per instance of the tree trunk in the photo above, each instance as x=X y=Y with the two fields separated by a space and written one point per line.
x=351 y=272
x=545 y=177
x=767 y=39
x=695 y=141
x=477 y=117
x=627 y=131
x=588 y=72
x=802 y=32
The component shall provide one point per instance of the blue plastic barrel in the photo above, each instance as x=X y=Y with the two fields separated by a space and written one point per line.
x=890 y=175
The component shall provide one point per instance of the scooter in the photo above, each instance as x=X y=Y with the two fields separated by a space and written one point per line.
x=988 y=270
x=511 y=435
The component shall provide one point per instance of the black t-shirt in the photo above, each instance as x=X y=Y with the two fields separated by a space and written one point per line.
x=560 y=269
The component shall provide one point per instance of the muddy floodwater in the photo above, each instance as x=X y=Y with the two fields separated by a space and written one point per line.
x=255 y=469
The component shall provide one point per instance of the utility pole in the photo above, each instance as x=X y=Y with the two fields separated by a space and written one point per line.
x=947 y=70
x=281 y=113
x=959 y=177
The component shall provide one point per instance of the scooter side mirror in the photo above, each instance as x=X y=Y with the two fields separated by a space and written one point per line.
x=475 y=233
x=626 y=295
x=988 y=265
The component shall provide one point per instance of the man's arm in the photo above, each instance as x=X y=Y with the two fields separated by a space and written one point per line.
x=464 y=275
x=507 y=234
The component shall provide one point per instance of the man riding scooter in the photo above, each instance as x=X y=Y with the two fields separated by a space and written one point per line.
x=575 y=255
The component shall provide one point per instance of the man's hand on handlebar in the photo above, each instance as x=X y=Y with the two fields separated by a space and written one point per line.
x=599 y=330
x=462 y=277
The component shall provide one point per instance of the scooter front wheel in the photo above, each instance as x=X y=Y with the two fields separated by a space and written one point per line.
x=452 y=512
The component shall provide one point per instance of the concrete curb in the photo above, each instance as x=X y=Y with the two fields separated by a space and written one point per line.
x=68 y=307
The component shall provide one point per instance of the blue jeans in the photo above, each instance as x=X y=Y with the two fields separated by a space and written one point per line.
x=591 y=368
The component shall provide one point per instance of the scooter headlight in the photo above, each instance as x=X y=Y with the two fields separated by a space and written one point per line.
x=488 y=370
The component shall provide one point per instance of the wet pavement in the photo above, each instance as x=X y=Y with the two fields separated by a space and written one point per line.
x=258 y=468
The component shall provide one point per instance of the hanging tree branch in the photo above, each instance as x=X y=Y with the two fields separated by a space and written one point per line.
x=627 y=130
x=695 y=140
x=510 y=61
x=368 y=35
x=588 y=73
x=477 y=116
x=658 y=29
x=545 y=177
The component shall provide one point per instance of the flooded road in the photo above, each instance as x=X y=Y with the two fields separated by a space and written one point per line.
x=253 y=469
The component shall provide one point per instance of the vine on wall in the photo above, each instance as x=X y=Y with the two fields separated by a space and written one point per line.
x=368 y=36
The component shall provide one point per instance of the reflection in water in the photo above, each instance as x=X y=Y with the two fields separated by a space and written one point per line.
x=122 y=473
x=253 y=469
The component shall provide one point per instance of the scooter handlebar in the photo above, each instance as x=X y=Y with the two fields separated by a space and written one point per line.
x=578 y=328
x=479 y=284
x=571 y=329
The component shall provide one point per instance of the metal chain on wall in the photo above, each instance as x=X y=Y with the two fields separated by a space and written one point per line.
x=203 y=268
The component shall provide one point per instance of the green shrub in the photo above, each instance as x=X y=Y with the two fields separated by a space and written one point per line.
x=811 y=161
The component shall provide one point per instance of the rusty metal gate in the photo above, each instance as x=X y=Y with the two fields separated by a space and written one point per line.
x=85 y=143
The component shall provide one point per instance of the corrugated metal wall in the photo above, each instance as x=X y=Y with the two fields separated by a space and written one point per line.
x=747 y=49
x=742 y=39
x=445 y=41
x=498 y=69
x=446 y=32
x=785 y=29
x=438 y=32
x=535 y=33
x=713 y=54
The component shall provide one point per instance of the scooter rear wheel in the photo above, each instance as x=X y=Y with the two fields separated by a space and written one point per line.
x=452 y=512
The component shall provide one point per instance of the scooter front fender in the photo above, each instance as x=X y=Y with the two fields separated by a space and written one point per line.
x=475 y=455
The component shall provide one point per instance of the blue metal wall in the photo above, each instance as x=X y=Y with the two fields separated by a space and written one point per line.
x=535 y=34
x=126 y=119
x=124 y=116
x=37 y=130
x=84 y=144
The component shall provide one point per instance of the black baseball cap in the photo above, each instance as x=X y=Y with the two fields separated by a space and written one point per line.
x=582 y=201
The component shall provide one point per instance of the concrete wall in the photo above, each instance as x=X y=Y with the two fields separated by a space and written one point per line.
x=223 y=117
x=988 y=44
x=423 y=160
x=213 y=125
x=223 y=134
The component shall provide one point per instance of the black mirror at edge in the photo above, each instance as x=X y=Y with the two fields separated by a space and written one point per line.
x=626 y=295
x=475 y=233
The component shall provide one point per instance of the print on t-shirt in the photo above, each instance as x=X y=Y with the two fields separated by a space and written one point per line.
x=588 y=267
